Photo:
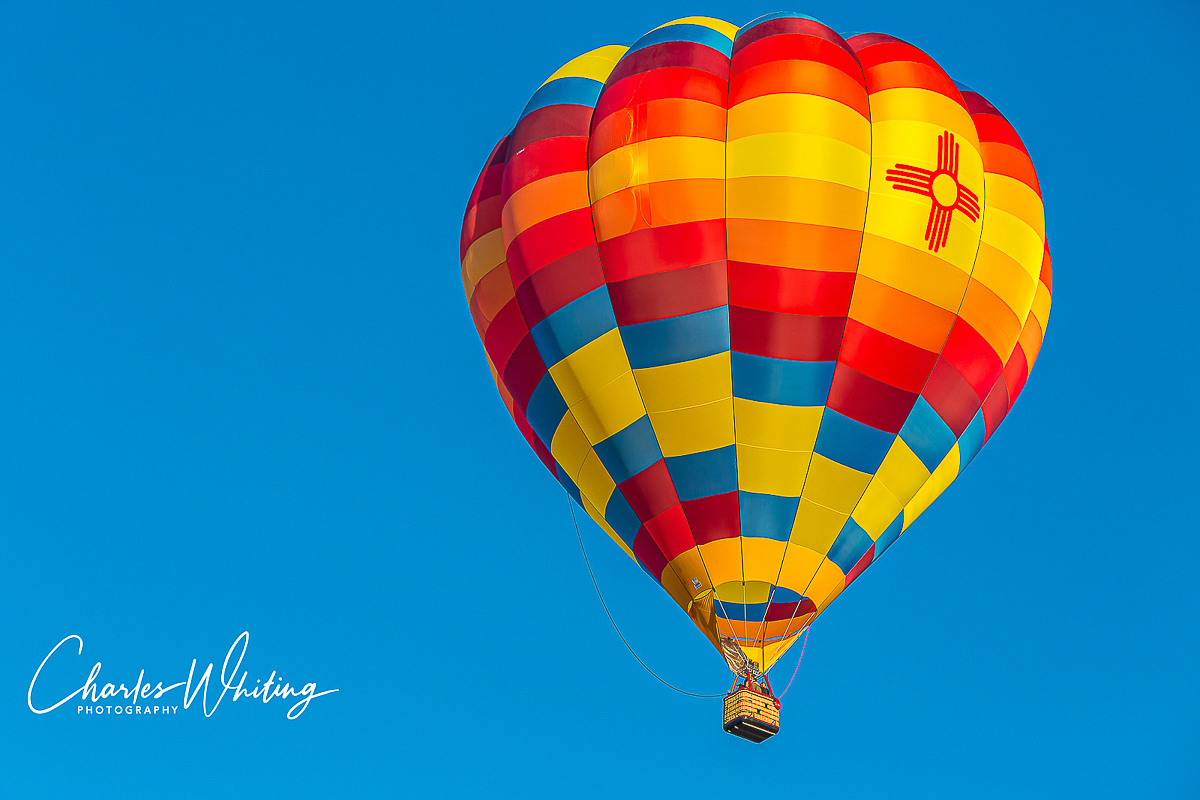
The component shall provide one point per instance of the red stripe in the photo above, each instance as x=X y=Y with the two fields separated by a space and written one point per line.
x=548 y=122
x=543 y=159
x=792 y=25
x=523 y=371
x=670 y=54
x=668 y=82
x=651 y=250
x=951 y=396
x=995 y=408
x=548 y=241
x=795 y=291
x=886 y=358
x=559 y=283
x=869 y=401
x=791 y=336
x=801 y=45
x=650 y=492
x=670 y=294
x=714 y=517
x=670 y=531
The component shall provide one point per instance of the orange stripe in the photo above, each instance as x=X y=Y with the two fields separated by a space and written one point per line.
x=810 y=77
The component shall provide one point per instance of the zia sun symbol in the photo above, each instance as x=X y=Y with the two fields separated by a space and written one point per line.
x=941 y=186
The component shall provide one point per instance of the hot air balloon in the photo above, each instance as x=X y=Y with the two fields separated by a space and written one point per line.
x=756 y=296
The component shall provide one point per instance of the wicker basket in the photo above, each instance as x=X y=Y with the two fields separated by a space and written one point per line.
x=751 y=715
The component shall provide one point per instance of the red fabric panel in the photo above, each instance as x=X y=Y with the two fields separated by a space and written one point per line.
x=669 y=294
x=650 y=492
x=869 y=401
x=791 y=336
x=885 y=358
x=714 y=517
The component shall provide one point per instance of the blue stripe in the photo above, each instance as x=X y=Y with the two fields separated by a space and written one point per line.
x=850 y=442
x=565 y=91
x=767 y=516
x=890 y=534
x=619 y=515
x=850 y=546
x=786 y=383
x=928 y=436
x=546 y=409
x=971 y=442
x=571 y=327
x=677 y=339
x=686 y=32
x=704 y=474
x=630 y=450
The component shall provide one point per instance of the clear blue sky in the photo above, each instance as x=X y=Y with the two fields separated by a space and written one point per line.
x=240 y=390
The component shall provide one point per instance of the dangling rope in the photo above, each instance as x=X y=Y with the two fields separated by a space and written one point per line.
x=803 y=645
x=583 y=550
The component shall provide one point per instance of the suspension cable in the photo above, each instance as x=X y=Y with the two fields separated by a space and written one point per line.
x=803 y=645
x=596 y=585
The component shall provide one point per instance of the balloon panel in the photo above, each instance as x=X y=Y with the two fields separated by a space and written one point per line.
x=756 y=297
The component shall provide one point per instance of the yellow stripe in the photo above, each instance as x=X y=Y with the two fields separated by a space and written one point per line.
x=596 y=64
x=800 y=113
x=662 y=159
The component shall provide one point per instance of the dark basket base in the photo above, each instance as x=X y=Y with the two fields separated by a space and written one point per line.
x=752 y=729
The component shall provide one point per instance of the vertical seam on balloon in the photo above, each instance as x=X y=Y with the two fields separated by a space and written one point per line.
x=970 y=276
x=596 y=237
x=825 y=408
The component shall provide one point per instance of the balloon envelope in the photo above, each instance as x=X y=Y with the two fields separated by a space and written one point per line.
x=756 y=297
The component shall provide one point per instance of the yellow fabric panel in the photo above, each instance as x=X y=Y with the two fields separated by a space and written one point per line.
x=829 y=579
x=914 y=271
x=598 y=518
x=695 y=429
x=834 y=485
x=594 y=482
x=816 y=527
x=829 y=598
x=777 y=427
x=596 y=64
x=799 y=155
x=942 y=477
x=591 y=367
x=901 y=471
x=663 y=159
x=876 y=509
x=799 y=565
x=761 y=558
x=901 y=218
x=1016 y=198
x=802 y=114
x=485 y=254
x=766 y=471
x=687 y=383
x=722 y=558
x=748 y=591
x=570 y=446
x=1014 y=236
x=609 y=409
x=719 y=25
x=796 y=200
x=906 y=121
x=1005 y=276
x=542 y=199
x=1041 y=306
x=773 y=651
